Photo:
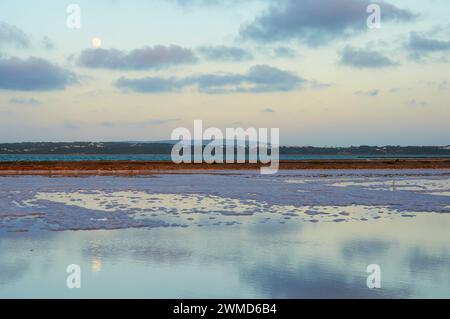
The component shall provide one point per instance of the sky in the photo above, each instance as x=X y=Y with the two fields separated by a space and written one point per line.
x=136 y=70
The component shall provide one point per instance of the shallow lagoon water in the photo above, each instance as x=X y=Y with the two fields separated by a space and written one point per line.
x=234 y=235
x=167 y=157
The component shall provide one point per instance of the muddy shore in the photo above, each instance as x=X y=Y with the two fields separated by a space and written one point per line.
x=142 y=168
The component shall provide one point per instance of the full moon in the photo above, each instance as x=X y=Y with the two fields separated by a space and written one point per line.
x=96 y=42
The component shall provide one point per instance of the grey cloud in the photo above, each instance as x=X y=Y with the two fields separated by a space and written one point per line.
x=319 y=85
x=420 y=45
x=224 y=53
x=216 y=83
x=399 y=89
x=259 y=79
x=269 y=110
x=24 y=101
x=138 y=124
x=145 y=58
x=191 y=3
x=416 y=103
x=150 y=84
x=47 y=43
x=33 y=74
x=364 y=58
x=439 y=85
x=195 y=2
x=71 y=125
x=371 y=93
x=10 y=34
x=316 y=22
x=284 y=52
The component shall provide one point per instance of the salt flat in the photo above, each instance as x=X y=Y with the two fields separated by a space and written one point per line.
x=31 y=203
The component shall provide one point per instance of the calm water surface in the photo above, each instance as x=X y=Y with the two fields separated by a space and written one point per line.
x=164 y=157
x=327 y=260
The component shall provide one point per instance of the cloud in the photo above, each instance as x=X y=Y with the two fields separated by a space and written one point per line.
x=371 y=93
x=24 y=101
x=259 y=79
x=224 y=53
x=268 y=110
x=206 y=3
x=138 y=124
x=33 y=74
x=316 y=22
x=12 y=35
x=145 y=58
x=150 y=84
x=420 y=45
x=415 y=103
x=196 y=2
x=364 y=58
x=399 y=89
x=439 y=85
x=47 y=43
x=284 y=52
x=71 y=125
x=319 y=85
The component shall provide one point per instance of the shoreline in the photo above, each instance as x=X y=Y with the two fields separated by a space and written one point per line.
x=149 y=168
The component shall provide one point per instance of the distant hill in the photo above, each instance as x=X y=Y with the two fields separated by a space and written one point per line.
x=86 y=148
x=165 y=147
x=368 y=150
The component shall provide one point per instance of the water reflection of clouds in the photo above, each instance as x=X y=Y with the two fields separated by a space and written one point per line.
x=17 y=252
x=253 y=261
x=365 y=248
x=11 y=271
x=109 y=249
x=313 y=279
x=330 y=261
x=421 y=260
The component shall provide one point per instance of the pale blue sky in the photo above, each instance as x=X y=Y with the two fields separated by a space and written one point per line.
x=325 y=77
